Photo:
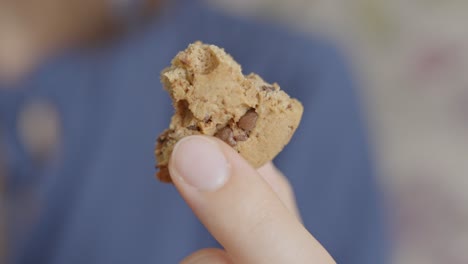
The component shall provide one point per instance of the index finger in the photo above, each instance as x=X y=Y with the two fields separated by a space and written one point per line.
x=238 y=207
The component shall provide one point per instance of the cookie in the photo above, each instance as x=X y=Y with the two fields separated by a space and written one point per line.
x=212 y=97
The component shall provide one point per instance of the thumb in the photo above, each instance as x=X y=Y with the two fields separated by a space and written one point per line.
x=238 y=207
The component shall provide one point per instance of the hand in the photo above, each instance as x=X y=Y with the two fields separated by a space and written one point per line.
x=251 y=213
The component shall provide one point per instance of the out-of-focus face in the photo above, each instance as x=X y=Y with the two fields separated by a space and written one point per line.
x=32 y=29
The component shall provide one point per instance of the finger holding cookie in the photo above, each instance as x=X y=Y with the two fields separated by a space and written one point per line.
x=250 y=217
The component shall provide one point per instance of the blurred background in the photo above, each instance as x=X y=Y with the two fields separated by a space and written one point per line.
x=411 y=59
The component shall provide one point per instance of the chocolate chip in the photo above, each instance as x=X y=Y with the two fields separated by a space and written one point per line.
x=163 y=174
x=207 y=119
x=242 y=137
x=226 y=135
x=193 y=127
x=268 y=88
x=289 y=106
x=248 y=121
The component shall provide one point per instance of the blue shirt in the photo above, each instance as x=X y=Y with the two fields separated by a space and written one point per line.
x=99 y=201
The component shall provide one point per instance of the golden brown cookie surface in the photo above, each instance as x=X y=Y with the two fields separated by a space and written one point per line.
x=212 y=97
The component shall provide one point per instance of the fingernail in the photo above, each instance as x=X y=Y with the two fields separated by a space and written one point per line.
x=199 y=162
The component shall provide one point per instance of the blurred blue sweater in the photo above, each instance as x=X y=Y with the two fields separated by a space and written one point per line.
x=102 y=204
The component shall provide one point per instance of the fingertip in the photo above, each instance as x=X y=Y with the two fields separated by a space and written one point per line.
x=280 y=185
x=277 y=181
x=199 y=162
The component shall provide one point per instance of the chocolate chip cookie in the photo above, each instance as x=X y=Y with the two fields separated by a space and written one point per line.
x=212 y=97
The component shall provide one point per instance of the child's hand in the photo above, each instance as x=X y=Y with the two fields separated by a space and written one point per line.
x=251 y=213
